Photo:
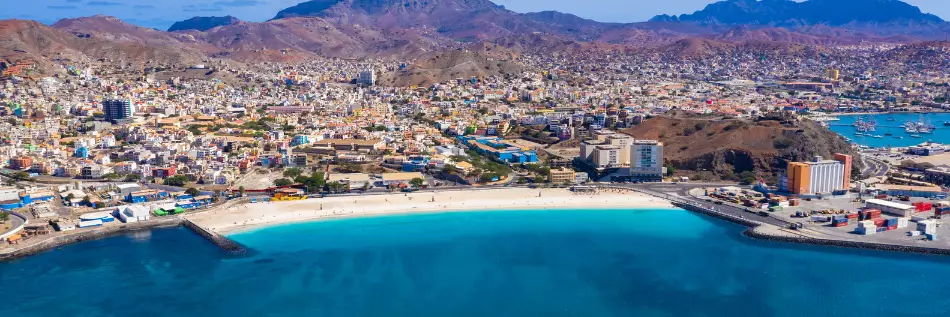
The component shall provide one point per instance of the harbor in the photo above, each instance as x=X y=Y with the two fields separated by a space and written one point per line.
x=893 y=130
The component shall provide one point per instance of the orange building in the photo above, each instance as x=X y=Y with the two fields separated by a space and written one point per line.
x=846 y=160
x=21 y=163
x=799 y=177
x=820 y=176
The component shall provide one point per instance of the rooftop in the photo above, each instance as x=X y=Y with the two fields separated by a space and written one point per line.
x=889 y=204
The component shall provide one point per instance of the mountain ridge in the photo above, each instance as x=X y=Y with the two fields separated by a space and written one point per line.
x=203 y=23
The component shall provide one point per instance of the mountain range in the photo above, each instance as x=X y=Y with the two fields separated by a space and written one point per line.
x=790 y=13
x=409 y=29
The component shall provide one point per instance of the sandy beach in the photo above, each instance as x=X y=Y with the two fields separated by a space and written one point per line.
x=233 y=219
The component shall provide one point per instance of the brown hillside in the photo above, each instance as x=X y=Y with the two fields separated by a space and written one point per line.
x=477 y=60
x=729 y=147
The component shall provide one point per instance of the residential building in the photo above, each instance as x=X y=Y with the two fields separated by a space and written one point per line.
x=118 y=109
x=21 y=163
x=562 y=175
x=646 y=160
x=367 y=77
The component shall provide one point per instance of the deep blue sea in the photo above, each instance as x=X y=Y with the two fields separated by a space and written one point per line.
x=589 y=263
x=846 y=128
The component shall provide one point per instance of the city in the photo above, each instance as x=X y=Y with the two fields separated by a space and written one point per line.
x=822 y=135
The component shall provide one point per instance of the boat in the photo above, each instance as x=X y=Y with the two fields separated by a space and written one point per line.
x=888 y=134
x=915 y=136
x=863 y=125
x=898 y=137
x=890 y=119
x=946 y=123
x=877 y=137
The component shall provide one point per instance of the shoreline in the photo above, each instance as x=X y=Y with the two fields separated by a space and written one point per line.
x=202 y=223
x=835 y=114
x=250 y=217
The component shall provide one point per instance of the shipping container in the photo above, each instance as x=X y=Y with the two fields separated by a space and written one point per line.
x=852 y=216
x=881 y=229
x=881 y=196
x=902 y=223
x=922 y=206
x=866 y=230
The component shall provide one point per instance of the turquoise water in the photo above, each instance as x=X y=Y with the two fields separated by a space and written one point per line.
x=846 y=128
x=520 y=263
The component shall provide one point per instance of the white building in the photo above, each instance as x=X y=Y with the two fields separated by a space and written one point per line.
x=9 y=193
x=646 y=159
x=890 y=207
x=367 y=77
x=133 y=213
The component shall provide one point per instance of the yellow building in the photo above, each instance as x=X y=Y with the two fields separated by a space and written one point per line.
x=832 y=74
x=562 y=175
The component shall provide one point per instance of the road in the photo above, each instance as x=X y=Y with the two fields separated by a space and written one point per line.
x=13 y=222
x=681 y=191
x=874 y=168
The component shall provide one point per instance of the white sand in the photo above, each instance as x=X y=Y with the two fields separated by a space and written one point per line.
x=252 y=215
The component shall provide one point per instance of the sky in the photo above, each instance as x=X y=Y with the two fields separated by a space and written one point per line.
x=161 y=14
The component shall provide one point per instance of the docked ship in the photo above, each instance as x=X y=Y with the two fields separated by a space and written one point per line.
x=919 y=127
x=865 y=126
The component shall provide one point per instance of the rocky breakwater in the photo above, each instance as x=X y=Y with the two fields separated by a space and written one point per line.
x=222 y=242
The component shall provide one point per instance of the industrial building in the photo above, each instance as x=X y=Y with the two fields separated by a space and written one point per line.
x=820 y=176
x=890 y=207
x=499 y=149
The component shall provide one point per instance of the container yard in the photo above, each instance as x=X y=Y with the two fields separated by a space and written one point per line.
x=868 y=218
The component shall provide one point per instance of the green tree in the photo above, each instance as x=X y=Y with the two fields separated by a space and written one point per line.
x=314 y=182
x=241 y=190
x=177 y=180
x=193 y=191
x=292 y=172
x=417 y=182
x=336 y=187
x=283 y=182
x=4 y=217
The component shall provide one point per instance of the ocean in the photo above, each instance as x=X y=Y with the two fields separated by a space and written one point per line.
x=892 y=123
x=591 y=263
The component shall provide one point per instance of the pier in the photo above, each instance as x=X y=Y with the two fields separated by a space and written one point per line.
x=222 y=242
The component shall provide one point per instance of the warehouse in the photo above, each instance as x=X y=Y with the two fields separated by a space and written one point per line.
x=890 y=207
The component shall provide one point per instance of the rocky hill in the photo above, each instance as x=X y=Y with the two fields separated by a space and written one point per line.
x=203 y=23
x=477 y=60
x=727 y=148
x=31 y=40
